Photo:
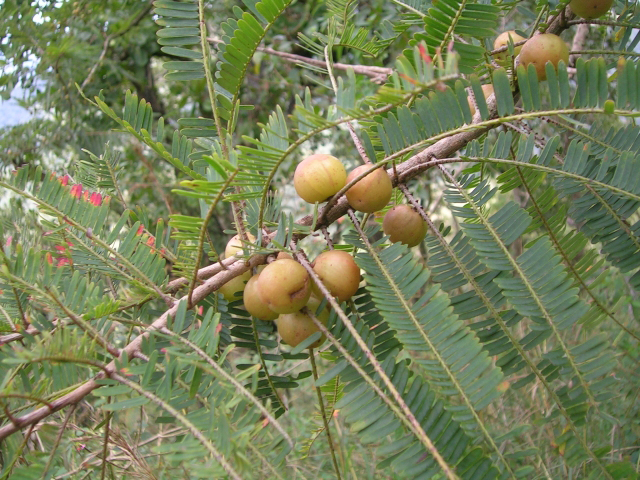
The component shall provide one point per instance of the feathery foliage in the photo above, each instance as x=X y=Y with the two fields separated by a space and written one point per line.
x=505 y=345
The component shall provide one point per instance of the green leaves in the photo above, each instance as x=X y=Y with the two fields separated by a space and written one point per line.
x=449 y=17
x=181 y=31
x=240 y=40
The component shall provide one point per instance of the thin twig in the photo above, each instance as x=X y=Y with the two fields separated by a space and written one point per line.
x=352 y=131
x=108 y=38
x=58 y=440
x=377 y=74
x=131 y=349
x=314 y=370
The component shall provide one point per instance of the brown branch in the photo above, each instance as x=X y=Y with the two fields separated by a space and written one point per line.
x=579 y=39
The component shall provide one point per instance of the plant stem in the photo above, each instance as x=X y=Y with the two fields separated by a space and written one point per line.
x=314 y=369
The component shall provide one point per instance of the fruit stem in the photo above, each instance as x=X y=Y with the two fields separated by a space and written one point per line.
x=314 y=369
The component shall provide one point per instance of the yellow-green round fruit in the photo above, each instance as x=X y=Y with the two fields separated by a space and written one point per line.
x=284 y=286
x=541 y=49
x=502 y=40
x=235 y=245
x=403 y=224
x=372 y=192
x=487 y=90
x=233 y=286
x=319 y=177
x=339 y=273
x=297 y=327
x=590 y=8
x=254 y=304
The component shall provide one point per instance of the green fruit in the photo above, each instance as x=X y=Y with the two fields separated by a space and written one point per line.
x=284 y=286
x=502 y=40
x=339 y=273
x=372 y=192
x=297 y=327
x=254 y=304
x=319 y=177
x=403 y=224
x=233 y=286
x=590 y=8
x=541 y=49
x=235 y=245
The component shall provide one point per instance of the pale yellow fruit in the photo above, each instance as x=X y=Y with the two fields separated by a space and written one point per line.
x=372 y=192
x=541 y=49
x=339 y=273
x=319 y=177
x=233 y=286
x=297 y=327
x=403 y=224
x=502 y=40
x=590 y=8
x=284 y=286
x=235 y=245
x=254 y=304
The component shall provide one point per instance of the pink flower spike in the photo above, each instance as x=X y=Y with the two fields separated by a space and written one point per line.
x=64 y=180
x=76 y=190
x=140 y=230
x=151 y=241
x=63 y=261
x=96 y=199
x=423 y=53
x=60 y=248
x=85 y=195
x=9 y=240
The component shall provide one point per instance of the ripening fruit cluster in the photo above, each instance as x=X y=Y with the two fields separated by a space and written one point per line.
x=318 y=177
x=546 y=47
x=283 y=291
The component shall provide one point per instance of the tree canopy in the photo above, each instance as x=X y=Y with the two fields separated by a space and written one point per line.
x=463 y=305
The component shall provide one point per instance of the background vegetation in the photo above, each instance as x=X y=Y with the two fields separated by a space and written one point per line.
x=504 y=346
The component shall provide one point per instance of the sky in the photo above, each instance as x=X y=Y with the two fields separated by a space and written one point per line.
x=12 y=114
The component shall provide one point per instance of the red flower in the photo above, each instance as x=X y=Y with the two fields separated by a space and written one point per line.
x=63 y=261
x=76 y=190
x=151 y=241
x=423 y=53
x=96 y=199
x=85 y=195
x=140 y=230
x=64 y=180
x=60 y=248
